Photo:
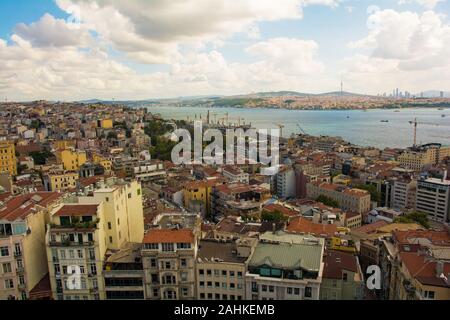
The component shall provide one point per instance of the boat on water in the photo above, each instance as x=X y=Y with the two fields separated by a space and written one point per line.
x=443 y=116
x=384 y=121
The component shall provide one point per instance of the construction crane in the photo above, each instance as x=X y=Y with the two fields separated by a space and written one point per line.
x=416 y=123
x=281 y=126
x=301 y=129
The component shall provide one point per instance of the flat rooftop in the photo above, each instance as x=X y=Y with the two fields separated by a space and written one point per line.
x=225 y=251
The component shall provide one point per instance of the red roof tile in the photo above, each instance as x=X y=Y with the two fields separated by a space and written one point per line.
x=77 y=210
x=169 y=236
x=302 y=225
x=21 y=206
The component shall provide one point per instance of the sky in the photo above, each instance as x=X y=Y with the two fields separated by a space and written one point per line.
x=68 y=50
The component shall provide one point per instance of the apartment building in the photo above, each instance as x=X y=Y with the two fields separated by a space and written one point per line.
x=197 y=196
x=343 y=278
x=220 y=271
x=60 y=180
x=123 y=274
x=349 y=199
x=238 y=199
x=8 y=160
x=76 y=247
x=123 y=209
x=404 y=194
x=417 y=158
x=286 y=183
x=433 y=198
x=285 y=267
x=235 y=174
x=23 y=262
x=168 y=258
x=71 y=159
x=415 y=265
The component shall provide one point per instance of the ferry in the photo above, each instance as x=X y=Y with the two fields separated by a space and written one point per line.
x=384 y=121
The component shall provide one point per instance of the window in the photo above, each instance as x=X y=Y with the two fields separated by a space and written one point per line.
x=93 y=268
x=429 y=294
x=202 y=284
x=152 y=263
x=289 y=290
x=80 y=254
x=184 y=276
x=239 y=274
x=19 y=264
x=232 y=274
x=17 y=249
x=271 y=288
x=4 y=251
x=185 y=292
x=344 y=277
x=90 y=237
x=9 y=284
x=92 y=254
x=63 y=254
x=7 y=267
x=183 y=245
x=201 y=272
x=183 y=263
x=208 y=272
x=110 y=239
x=224 y=273
x=151 y=246
x=109 y=226
x=308 y=292
x=71 y=254
x=155 y=292
x=217 y=284
x=168 y=265
x=297 y=291
x=168 y=247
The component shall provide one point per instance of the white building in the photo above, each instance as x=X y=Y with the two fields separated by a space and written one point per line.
x=433 y=198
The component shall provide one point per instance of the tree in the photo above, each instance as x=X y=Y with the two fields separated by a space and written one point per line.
x=273 y=216
x=327 y=201
x=40 y=157
x=414 y=217
x=162 y=150
x=375 y=196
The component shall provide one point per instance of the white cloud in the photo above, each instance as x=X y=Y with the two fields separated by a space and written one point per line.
x=428 y=4
x=49 y=31
x=151 y=31
x=404 y=48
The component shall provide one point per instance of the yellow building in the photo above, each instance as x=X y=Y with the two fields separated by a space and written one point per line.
x=199 y=192
x=106 y=123
x=124 y=214
x=105 y=163
x=63 y=144
x=76 y=244
x=71 y=159
x=60 y=181
x=8 y=161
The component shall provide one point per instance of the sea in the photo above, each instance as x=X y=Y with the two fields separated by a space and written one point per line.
x=379 y=128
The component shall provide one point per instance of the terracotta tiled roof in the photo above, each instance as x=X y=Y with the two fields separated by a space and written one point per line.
x=424 y=270
x=21 y=206
x=435 y=237
x=335 y=262
x=78 y=210
x=302 y=225
x=169 y=236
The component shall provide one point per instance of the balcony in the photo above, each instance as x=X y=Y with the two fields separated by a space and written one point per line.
x=67 y=243
x=20 y=270
x=17 y=254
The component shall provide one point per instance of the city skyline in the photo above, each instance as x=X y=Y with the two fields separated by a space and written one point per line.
x=74 y=49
